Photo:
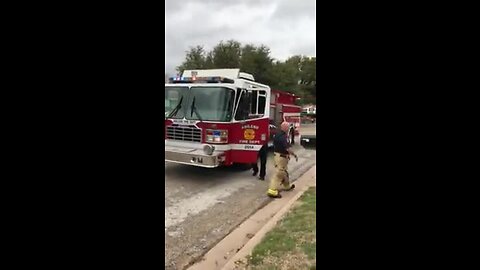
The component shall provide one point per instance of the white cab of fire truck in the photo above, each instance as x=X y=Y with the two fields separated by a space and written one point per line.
x=215 y=118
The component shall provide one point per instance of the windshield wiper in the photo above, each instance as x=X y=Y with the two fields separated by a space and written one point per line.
x=194 y=110
x=176 y=109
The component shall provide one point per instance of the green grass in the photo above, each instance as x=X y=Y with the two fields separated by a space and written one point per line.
x=292 y=243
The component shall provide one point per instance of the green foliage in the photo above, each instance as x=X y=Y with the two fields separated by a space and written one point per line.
x=194 y=59
x=297 y=74
x=292 y=240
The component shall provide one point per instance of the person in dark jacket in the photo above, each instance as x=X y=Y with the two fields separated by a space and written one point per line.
x=262 y=155
x=280 y=180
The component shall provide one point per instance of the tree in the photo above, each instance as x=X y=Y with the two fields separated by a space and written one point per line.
x=308 y=79
x=195 y=59
x=226 y=55
x=286 y=74
x=257 y=61
x=297 y=74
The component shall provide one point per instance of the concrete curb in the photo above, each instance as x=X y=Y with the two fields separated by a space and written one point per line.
x=241 y=241
x=240 y=257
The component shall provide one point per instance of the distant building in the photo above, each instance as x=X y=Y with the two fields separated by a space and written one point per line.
x=310 y=109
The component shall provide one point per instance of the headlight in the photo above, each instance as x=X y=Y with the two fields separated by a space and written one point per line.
x=216 y=136
x=208 y=149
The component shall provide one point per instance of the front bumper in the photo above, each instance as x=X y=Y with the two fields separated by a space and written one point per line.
x=195 y=157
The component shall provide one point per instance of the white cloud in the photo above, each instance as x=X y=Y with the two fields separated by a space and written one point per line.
x=287 y=27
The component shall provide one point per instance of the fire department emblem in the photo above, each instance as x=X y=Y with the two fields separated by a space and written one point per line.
x=249 y=134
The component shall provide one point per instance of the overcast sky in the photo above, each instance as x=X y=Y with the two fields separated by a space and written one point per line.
x=287 y=27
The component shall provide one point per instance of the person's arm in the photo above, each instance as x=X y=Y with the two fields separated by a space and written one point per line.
x=289 y=149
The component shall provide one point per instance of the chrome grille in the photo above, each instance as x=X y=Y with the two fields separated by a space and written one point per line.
x=184 y=133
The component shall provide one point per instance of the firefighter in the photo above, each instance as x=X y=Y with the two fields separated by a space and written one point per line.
x=262 y=155
x=283 y=150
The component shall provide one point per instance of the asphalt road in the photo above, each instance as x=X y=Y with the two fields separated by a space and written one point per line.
x=203 y=205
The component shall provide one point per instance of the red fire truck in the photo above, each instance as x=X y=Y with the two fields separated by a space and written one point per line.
x=220 y=117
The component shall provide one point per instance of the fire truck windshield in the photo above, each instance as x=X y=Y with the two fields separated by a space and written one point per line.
x=199 y=103
x=175 y=98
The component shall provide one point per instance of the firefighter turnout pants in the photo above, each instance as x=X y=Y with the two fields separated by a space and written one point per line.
x=280 y=180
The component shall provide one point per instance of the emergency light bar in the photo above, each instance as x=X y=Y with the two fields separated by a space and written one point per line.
x=200 y=80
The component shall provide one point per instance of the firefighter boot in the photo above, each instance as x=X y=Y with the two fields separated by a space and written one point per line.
x=273 y=193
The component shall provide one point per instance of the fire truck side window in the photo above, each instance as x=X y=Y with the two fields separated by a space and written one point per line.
x=243 y=110
x=262 y=99
x=253 y=103
x=258 y=100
